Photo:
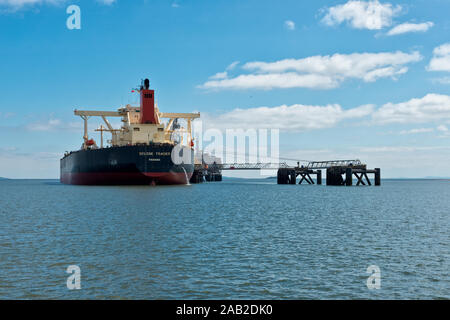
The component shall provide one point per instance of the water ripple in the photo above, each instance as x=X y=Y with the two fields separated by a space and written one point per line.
x=225 y=240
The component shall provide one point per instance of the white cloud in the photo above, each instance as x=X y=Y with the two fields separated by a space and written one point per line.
x=416 y=131
x=443 y=80
x=232 y=65
x=290 y=25
x=320 y=72
x=53 y=125
x=7 y=115
x=107 y=2
x=355 y=65
x=18 y=4
x=17 y=164
x=371 y=15
x=399 y=149
x=45 y=126
x=14 y=5
x=287 y=118
x=220 y=75
x=441 y=58
x=430 y=108
x=224 y=75
x=273 y=80
x=410 y=27
x=444 y=131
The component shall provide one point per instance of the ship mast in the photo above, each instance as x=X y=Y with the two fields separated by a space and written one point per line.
x=101 y=129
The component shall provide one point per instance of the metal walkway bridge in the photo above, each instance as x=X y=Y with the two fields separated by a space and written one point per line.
x=274 y=166
x=288 y=174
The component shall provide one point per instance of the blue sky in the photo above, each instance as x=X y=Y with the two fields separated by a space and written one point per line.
x=341 y=79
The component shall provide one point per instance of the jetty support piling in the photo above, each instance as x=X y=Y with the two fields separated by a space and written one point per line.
x=319 y=177
x=209 y=173
x=306 y=173
x=334 y=175
x=349 y=176
x=286 y=176
x=197 y=177
x=292 y=177
x=289 y=175
x=377 y=177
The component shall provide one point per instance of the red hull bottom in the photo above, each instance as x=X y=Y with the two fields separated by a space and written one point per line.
x=126 y=178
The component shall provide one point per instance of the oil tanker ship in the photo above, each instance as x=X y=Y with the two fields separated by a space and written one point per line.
x=143 y=151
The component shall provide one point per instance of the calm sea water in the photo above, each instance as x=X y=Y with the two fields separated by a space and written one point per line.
x=234 y=239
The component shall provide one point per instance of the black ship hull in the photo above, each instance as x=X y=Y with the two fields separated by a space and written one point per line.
x=127 y=165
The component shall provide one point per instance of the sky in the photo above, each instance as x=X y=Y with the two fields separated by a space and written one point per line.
x=366 y=80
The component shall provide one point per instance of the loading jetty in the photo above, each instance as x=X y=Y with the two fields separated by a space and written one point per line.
x=338 y=172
